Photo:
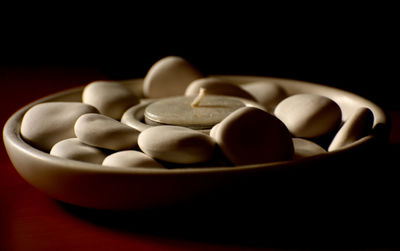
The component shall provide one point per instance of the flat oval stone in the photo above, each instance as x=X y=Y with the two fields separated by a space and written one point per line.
x=354 y=128
x=109 y=97
x=217 y=86
x=45 y=124
x=169 y=77
x=306 y=148
x=176 y=144
x=268 y=94
x=251 y=136
x=102 y=131
x=74 y=149
x=309 y=115
x=131 y=158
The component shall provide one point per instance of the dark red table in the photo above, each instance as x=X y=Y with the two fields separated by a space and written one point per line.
x=359 y=211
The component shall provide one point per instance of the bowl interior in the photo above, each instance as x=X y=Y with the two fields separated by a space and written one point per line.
x=97 y=186
x=346 y=100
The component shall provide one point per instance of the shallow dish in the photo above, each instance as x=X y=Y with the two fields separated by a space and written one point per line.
x=97 y=186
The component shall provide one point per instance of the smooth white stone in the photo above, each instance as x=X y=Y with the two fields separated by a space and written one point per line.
x=252 y=136
x=176 y=144
x=268 y=94
x=217 y=86
x=169 y=77
x=213 y=131
x=109 y=97
x=131 y=158
x=74 y=149
x=354 y=128
x=102 y=131
x=305 y=148
x=309 y=115
x=45 y=124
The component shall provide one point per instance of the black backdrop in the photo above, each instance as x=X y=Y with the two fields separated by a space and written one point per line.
x=351 y=48
x=358 y=53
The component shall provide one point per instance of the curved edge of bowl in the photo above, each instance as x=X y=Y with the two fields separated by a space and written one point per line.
x=73 y=181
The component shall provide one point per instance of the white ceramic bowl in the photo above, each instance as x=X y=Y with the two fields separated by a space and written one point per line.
x=96 y=186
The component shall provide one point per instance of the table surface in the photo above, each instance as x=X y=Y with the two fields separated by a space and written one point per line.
x=359 y=210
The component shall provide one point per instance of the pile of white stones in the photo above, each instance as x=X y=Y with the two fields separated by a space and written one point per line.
x=286 y=129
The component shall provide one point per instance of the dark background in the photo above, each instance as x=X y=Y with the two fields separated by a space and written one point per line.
x=350 y=47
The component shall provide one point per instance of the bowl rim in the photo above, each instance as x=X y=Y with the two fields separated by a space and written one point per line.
x=11 y=135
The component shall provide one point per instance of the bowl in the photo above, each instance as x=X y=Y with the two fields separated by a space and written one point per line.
x=95 y=186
